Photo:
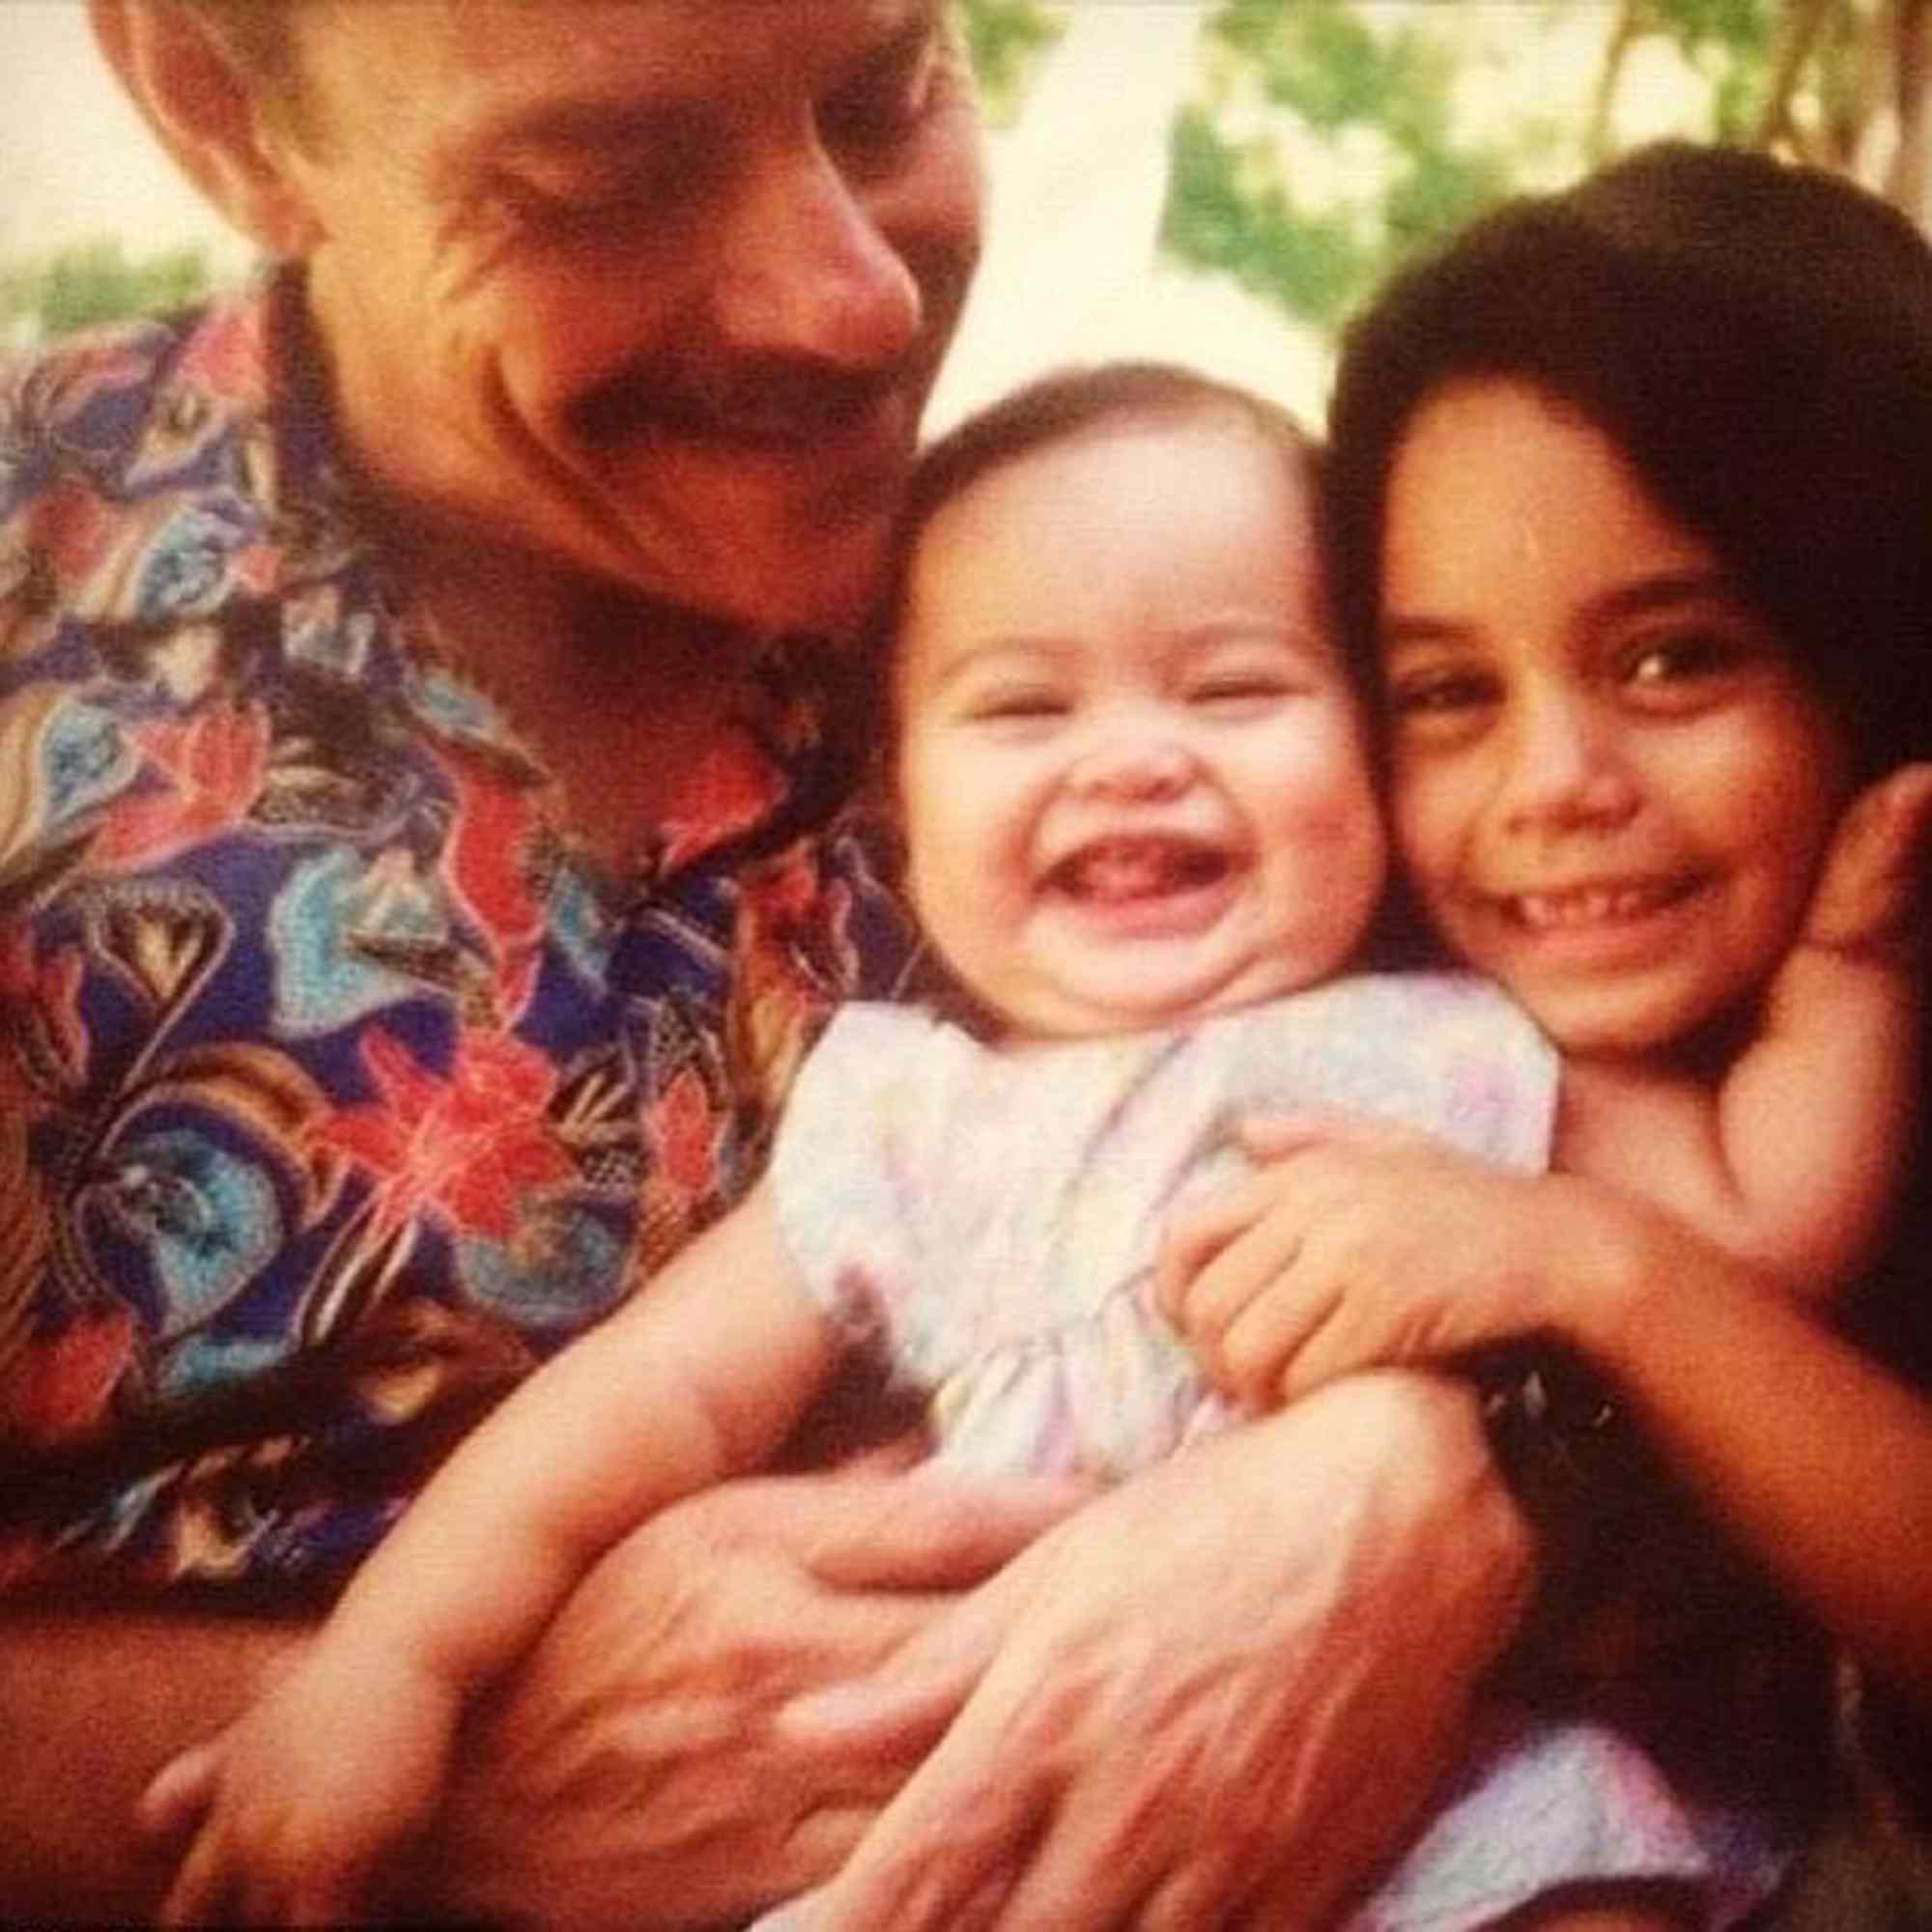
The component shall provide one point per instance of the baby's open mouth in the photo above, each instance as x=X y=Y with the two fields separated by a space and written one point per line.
x=1114 y=871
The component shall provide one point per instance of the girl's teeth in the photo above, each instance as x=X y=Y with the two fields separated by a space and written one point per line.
x=1593 y=906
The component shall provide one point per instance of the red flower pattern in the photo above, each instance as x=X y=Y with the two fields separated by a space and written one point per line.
x=467 y=1147
x=214 y=763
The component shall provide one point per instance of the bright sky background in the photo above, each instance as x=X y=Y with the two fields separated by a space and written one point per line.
x=1069 y=271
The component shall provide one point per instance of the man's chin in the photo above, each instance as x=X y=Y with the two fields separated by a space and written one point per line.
x=825 y=585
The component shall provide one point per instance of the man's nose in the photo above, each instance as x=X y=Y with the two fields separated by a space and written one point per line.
x=806 y=272
x=1567 y=766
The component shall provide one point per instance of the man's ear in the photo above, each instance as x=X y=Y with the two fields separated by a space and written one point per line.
x=209 y=116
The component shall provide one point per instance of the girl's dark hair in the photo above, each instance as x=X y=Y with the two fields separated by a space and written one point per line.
x=1062 y=406
x=1755 y=338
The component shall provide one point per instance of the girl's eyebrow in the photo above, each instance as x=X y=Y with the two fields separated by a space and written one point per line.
x=1661 y=590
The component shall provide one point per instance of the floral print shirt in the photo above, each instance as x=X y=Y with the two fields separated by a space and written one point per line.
x=336 y=1083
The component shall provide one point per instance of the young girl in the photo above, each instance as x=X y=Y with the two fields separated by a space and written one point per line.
x=1744 y=364
x=1142 y=837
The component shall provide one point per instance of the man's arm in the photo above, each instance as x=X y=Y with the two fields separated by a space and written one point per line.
x=92 y=1704
x=661 y=1676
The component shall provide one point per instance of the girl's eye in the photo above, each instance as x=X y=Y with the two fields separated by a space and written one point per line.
x=1686 y=669
x=1446 y=695
x=1682 y=658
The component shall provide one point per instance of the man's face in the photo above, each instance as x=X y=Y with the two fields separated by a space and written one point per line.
x=654 y=290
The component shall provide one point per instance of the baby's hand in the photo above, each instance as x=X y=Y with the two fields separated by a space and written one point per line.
x=1870 y=899
x=295 y=1807
x=1358 y=1244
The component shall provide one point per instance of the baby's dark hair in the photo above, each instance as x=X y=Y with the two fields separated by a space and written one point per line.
x=1060 y=408
x=1754 y=339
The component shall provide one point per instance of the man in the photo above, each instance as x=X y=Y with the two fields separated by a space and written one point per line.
x=421 y=880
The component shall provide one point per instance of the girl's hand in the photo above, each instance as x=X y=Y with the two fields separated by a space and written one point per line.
x=297 y=1803
x=1358 y=1244
x=1871 y=895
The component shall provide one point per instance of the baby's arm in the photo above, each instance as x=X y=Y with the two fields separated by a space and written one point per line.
x=1795 y=1159
x=697 y=1377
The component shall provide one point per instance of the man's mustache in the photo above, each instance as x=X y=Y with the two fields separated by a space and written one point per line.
x=770 y=403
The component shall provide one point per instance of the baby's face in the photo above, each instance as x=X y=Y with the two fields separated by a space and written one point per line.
x=1132 y=766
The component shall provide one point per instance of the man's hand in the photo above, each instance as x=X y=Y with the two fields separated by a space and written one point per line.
x=636 y=1771
x=1219 y=1695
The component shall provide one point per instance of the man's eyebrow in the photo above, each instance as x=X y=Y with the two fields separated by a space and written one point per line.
x=578 y=128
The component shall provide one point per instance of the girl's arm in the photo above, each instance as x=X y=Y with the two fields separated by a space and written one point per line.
x=1817 y=1459
x=1357 y=1247
x=697 y=1377
x=1795 y=1159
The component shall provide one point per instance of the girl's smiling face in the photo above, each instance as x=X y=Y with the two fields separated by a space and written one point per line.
x=1612 y=782
x=1130 y=762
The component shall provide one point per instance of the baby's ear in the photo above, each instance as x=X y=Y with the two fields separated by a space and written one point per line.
x=1871 y=896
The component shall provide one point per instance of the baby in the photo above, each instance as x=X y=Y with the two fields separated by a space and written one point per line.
x=1142 y=840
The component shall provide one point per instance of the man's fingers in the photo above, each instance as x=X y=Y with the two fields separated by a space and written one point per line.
x=1268 y=1137
x=949 y=1845
x=932 y=1532
x=178 y=1796
x=908 y=1702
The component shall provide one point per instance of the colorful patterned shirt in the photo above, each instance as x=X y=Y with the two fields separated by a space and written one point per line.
x=337 y=1084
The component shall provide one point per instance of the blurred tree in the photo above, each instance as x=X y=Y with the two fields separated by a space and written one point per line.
x=1007 y=39
x=1327 y=138
x=72 y=288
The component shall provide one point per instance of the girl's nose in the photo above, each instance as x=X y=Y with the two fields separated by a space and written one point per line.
x=1567 y=768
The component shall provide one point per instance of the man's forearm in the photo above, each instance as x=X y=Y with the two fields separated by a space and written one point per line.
x=91 y=1705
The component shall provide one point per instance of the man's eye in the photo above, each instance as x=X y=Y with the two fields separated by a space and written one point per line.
x=646 y=189
x=884 y=100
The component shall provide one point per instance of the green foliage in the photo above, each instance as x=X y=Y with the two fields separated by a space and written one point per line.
x=1005 y=39
x=1330 y=138
x=73 y=288
x=1333 y=76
